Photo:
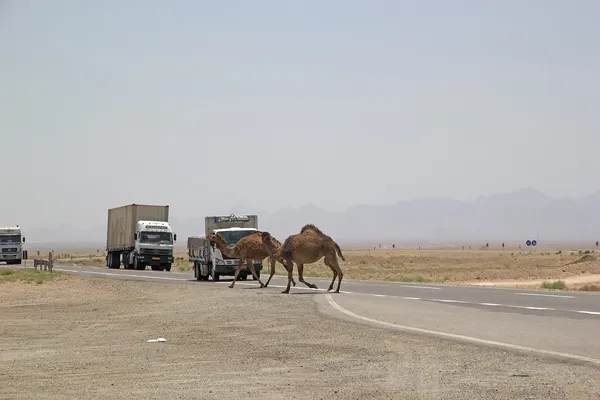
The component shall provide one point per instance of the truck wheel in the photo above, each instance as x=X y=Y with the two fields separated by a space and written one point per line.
x=156 y=268
x=243 y=277
x=197 y=272
x=167 y=267
x=18 y=262
x=138 y=265
x=216 y=276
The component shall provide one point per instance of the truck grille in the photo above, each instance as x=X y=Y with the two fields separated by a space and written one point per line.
x=160 y=252
x=9 y=250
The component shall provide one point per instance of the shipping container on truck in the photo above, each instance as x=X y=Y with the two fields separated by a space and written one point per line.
x=139 y=235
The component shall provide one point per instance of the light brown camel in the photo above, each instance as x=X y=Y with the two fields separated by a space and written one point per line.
x=248 y=249
x=307 y=247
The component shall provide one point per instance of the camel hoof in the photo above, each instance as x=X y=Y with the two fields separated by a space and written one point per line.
x=230 y=286
x=313 y=286
x=262 y=286
x=337 y=291
x=286 y=292
x=329 y=290
x=294 y=283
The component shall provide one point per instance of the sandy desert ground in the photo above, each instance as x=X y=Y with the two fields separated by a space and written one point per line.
x=77 y=338
x=579 y=269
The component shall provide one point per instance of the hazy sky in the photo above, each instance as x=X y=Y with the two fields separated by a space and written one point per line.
x=203 y=105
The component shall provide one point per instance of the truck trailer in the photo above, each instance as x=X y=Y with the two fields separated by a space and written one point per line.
x=139 y=235
x=11 y=244
x=206 y=257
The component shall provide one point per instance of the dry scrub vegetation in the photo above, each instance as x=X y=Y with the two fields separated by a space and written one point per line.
x=428 y=265
x=29 y=276
x=86 y=338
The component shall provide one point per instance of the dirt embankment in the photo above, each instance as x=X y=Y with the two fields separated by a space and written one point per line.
x=87 y=338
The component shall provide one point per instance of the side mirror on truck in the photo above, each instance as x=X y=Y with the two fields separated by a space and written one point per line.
x=135 y=236
x=174 y=237
x=23 y=239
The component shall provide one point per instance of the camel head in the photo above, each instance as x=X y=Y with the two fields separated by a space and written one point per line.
x=269 y=241
x=216 y=238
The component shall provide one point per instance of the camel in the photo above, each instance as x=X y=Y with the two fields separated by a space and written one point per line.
x=307 y=247
x=248 y=249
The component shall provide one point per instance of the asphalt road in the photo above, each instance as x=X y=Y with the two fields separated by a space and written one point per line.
x=555 y=324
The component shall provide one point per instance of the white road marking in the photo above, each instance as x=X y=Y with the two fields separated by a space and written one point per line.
x=490 y=304
x=379 y=295
x=546 y=295
x=449 y=301
x=589 y=312
x=459 y=337
x=411 y=298
x=420 y=287
x=536 y=308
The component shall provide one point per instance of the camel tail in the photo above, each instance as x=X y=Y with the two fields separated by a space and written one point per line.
x=339 y=251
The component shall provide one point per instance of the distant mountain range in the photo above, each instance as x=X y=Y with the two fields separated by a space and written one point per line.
x=510 y=217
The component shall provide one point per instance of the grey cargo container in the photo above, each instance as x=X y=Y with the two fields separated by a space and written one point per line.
x=122 y=220
x=228 y=221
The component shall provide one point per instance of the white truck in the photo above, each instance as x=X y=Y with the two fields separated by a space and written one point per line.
x=139 y=235
x=206 y=257
x=11 y=244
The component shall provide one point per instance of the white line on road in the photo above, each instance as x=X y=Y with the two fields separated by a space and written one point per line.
x=420 y=287
x=459 y=337
x=589 y=312
x=546 y=295
x=490 y=304
x=449 y=301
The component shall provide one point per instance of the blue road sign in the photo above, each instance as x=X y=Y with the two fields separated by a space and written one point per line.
x=533 y=242
x=528 y=242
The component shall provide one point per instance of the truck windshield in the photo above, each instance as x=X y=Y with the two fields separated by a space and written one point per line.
x=156 y=237
x=232 y=237
x=10 y=239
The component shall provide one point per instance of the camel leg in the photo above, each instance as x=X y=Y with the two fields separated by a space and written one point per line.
x=301 y=277
x=272 y=261
x=334 y=263
x=237 y=272
x=290 y=268
x=335 y=274
x=282 y=262
x=251 y=266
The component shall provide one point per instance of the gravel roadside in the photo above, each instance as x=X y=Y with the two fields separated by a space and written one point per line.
x=87 y=338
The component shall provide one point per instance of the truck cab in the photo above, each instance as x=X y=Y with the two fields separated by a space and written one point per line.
x=11 y=245
x=210 y=261
x=153 y=246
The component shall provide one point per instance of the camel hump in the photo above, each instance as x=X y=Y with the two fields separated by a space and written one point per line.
x=312 y=228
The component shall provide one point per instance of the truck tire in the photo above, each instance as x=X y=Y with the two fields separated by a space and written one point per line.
x=138 y=265
x=216 y=276
x=156 y=268
x=243 y=277
x=197 y=272
x=18 y=262
x=113 y=261
x=167 y=267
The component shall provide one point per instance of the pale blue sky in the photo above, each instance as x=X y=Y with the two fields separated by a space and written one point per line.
x=203 y=105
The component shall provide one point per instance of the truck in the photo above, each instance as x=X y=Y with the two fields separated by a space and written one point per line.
x=139 y=235
x=11 y=244
x=206 y=257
